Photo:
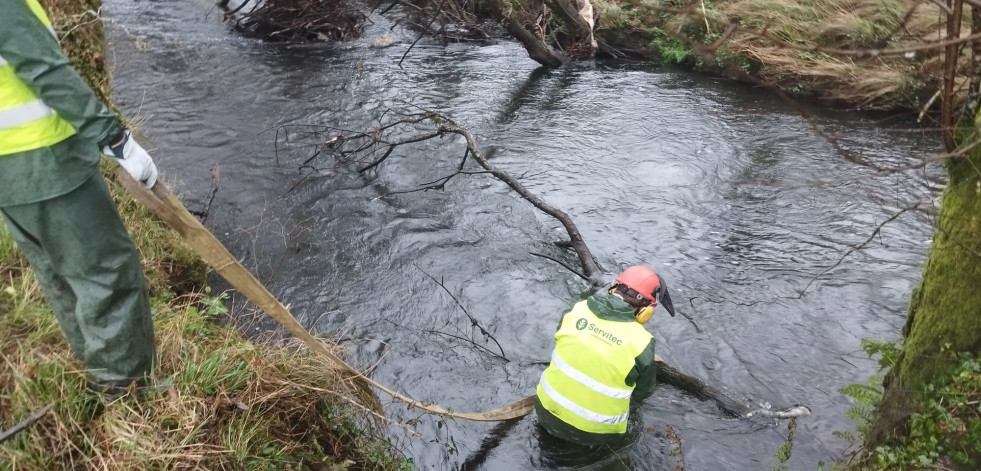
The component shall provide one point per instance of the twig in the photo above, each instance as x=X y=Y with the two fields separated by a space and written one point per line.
x=439 y=9
x=215 y=185
x=560 y=262
x=692 y=320
x=824 y=271
x=23 y=424
x=473 y=320
x=470 y=341
x=860 y=246
x=438 y=184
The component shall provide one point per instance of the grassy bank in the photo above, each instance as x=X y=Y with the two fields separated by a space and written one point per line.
x=795 y=46
x=232 y=404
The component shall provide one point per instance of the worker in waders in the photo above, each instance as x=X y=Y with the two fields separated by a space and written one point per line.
x=57 y=207
x=603 y=360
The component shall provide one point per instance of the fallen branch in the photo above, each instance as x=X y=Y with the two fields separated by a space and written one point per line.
x=23 y=424
x=728 y=405
x=374 y=147
x=374 y=142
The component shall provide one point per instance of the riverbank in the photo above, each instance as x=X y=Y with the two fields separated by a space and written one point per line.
x=830 y=50
x=233 y=404
x=855 y=53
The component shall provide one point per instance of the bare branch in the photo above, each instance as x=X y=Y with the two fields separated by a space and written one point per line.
x=470 y=341
x=861 y=245
x=473 y=320
x=439 y=10
x=560 y=262
x=27 y=422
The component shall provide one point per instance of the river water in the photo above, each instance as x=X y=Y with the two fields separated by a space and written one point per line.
x=730 y=193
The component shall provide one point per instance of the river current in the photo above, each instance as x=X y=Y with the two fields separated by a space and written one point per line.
x=737 y=198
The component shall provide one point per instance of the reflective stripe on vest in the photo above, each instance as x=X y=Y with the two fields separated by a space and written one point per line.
x=578 y=410
x=38 y=11
x=26 y=122
x=590 y=383
x=585 y=383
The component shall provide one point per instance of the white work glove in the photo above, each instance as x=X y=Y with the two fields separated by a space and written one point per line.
x=134 y=159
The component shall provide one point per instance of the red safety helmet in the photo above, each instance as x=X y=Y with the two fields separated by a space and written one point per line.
x=643 y=280
x=647 y=284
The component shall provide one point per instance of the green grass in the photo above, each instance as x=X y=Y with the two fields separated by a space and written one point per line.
x=233 y=404
x=223 y=402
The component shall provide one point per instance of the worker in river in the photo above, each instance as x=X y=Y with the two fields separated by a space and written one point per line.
x=603 y=360
x=57 y=206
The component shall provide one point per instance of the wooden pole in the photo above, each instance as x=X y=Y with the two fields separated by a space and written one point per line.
x=162 y=202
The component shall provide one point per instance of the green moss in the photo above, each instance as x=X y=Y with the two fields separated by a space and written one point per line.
x=944 y=319
x=944 y=315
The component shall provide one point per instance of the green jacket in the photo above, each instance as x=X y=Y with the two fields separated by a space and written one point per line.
x=37 y=59
x=642 y=376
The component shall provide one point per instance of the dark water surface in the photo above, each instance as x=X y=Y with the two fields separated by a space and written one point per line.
x=725 y=190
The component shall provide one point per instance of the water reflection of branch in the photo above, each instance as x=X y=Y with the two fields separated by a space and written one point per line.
x=473 y=320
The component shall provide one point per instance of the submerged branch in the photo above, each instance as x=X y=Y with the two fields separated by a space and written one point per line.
x=728 y=405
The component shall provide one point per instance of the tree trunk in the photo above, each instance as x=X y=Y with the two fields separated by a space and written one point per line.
x=525 y=21
x=577 y=16
x=535 y=47
x=537 y=50
x=945 y=310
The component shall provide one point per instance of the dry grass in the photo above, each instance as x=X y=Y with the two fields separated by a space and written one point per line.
x=880 y=82
x=884 y=82
x=222 y=402
x=232 y=404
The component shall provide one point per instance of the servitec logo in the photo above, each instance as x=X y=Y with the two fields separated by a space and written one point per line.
x=596 y=331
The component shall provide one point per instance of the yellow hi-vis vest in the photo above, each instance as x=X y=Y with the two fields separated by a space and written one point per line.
x=26 y=122
x=585 y=383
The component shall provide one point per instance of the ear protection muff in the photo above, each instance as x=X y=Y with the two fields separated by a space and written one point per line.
x=644 y=314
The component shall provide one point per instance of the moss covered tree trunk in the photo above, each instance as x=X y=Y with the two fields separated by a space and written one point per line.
x=945 y=310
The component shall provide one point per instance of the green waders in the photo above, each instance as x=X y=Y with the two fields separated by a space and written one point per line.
x=92 y=277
